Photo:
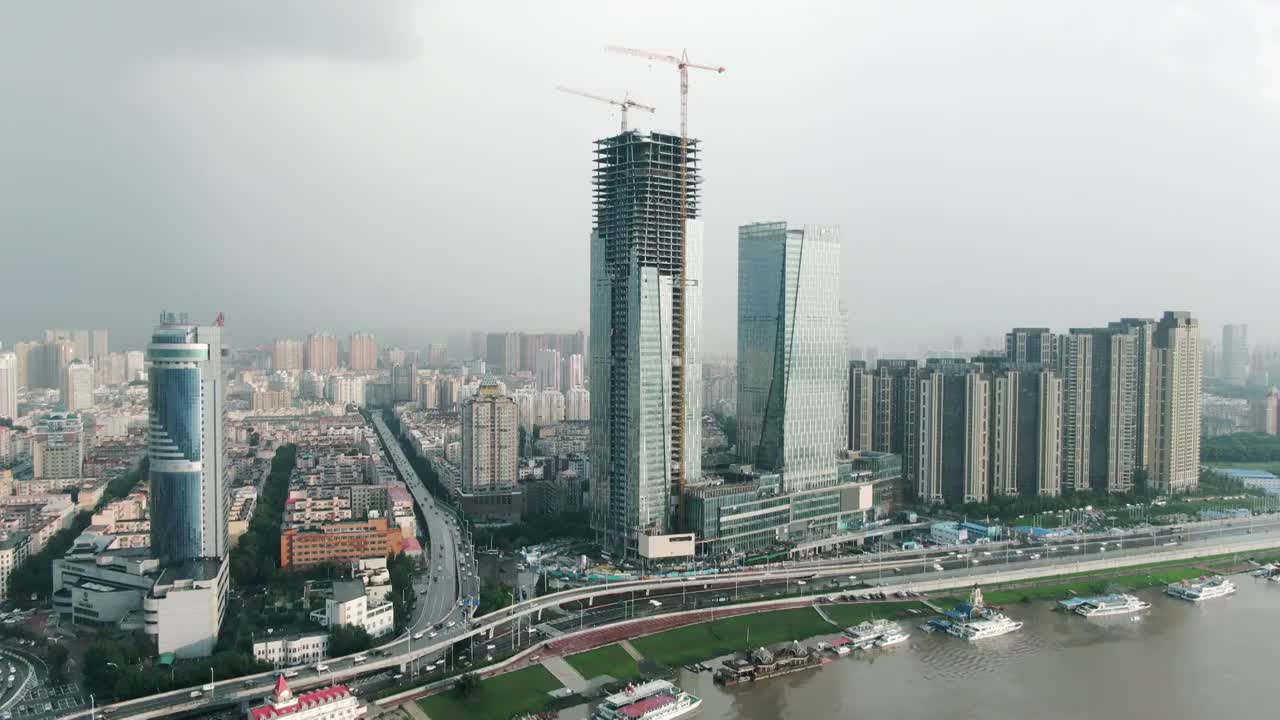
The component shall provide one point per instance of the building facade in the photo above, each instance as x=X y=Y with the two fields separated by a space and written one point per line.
x=792 y=367
x=190 y=496
x=646 y=322
x=362 y=349
x=8 y=385
x=1176 y=361
x=321 y=353
x=57 y=447
x=490 y=441
x=1235 y=354
x=77 y=386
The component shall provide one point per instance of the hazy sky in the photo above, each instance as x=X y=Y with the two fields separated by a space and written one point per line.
x=408 y=167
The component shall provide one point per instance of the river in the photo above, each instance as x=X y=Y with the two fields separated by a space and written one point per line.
x=1178 y=660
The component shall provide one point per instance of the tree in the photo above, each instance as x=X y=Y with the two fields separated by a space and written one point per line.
x=348 y=639
x=56 y=659
x=468 y=684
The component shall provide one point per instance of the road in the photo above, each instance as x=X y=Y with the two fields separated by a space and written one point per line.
x=677 y=593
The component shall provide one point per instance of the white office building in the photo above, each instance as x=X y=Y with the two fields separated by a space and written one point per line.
x=8 y=385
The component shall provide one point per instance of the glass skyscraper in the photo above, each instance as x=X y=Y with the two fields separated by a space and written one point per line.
x=646 y=321
x=189 y=495
x=792 y=369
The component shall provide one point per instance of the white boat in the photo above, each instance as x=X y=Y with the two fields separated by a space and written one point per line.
x=842 y=650
x=865 y=634
x=976 y=621
x=654 y=700
x=1204 y=590
x=892 y=639
x=1111 y=605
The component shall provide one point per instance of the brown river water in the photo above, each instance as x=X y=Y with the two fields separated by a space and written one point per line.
x=1216 y=660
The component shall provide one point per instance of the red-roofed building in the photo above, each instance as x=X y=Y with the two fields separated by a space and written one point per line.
x=331 y=703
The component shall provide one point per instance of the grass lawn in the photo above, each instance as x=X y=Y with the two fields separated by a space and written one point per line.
x=609 y=660
x=848 y=615
x=694 y=643
x=498 y=698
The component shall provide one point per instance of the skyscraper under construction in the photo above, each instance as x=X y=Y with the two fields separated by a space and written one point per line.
x=646 y=322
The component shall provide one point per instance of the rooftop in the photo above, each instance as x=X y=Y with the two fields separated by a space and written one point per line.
x=347 y=590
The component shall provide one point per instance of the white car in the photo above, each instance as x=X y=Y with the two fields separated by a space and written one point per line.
x=322 y=668
x=433 y=634
x=451 y=624
x=359 y=659
x=418 y=635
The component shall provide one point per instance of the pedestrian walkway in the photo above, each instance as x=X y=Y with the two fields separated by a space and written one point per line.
x=824 y=616
x=414 y=711
x=565 y=673
x=631 y=650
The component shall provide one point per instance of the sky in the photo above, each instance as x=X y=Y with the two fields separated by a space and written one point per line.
x=409 y=168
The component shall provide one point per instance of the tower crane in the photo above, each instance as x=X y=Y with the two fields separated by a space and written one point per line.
x=678 y=351
x=626 y=103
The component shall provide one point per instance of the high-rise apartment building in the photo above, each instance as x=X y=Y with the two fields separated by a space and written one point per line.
x=1235 y=354
x=577 y=404
x=646 y=322
x=190 y=497
x=1036 y=346
x=547 y=369
x=1175 y=465
x=861 y=406
x=1026 y=430
x=573 y=372
x=792 y=368
x=134 y=365
x=57 y=447
x=894 y=411
x=490 y=441
x=48 y=360
x=954 y=451
x=77 y=386
x=363 y=351
x=286 y=354
x=321 y=352
x=25 y=352
x=550 y=407
x=82 y=345
x=502 y=354
x=1075 y=367
x=101 y=344
x=1113 y=402
x=8 y=385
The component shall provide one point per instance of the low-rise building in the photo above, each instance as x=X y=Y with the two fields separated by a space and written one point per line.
x=330 y=703
x=338 y=542
x=185 y=607
x=352 y=607
x=301 y=649
x=14 y=550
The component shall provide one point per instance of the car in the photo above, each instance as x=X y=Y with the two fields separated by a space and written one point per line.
x=433 y=634
x=398 y=676
x=321 y=667
x=450 y=624
x=1035 y=556
x=246 y=684
x=291 y=674
x=937 y=566
x=418 y=635
x=196 y=693
x=359 y=659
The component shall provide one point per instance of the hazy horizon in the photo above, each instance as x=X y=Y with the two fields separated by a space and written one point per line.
x=412 y=171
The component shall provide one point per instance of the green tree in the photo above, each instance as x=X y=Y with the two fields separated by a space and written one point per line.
x=56 y=659
x=348 y=639
x=467 y=685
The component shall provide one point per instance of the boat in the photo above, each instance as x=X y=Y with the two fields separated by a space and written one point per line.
x=1117 y=604
x=892 y=639
x=1204 y=589
x=975 y=621
x=866 y=633
x=654 y=700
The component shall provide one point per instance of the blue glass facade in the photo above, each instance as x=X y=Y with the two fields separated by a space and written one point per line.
x=175 y=411
x=175 y=515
